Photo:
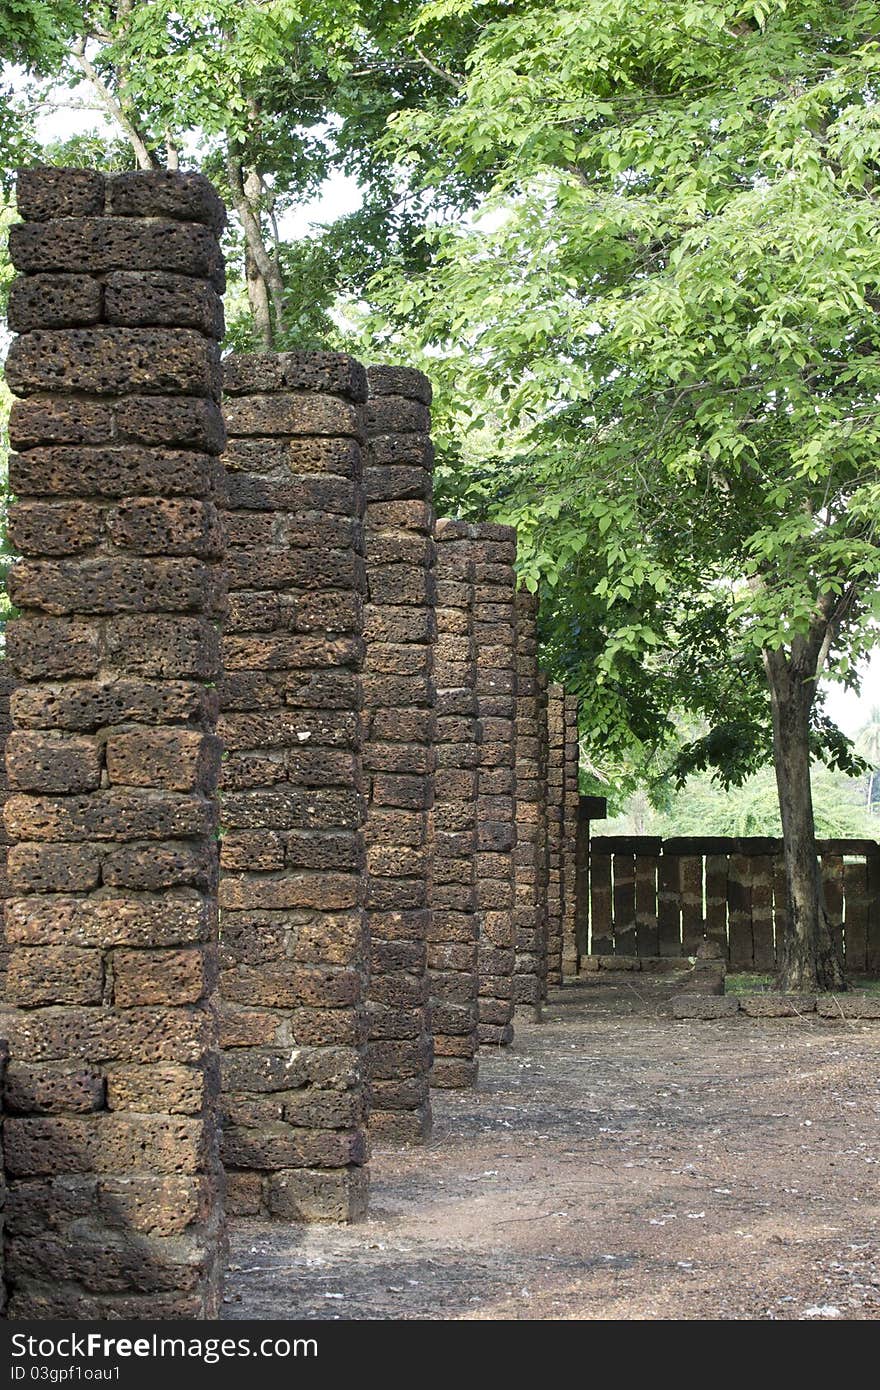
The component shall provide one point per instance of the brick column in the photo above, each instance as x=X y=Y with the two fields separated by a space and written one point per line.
x=452 y=946
x=494 y=552
x=544 y=846
x=4 y=1059
x=530 y=912
x=7 y=685
x=570 y=798
x=555 y=796
x=294 y=951
x=114 y=1200
x=398 y=749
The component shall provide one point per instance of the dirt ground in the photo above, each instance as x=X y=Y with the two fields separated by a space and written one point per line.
x=613 y=1164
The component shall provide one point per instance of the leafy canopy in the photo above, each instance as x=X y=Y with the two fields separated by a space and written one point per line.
x=657 y=346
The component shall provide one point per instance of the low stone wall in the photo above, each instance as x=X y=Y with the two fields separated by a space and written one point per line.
x=847 y=1006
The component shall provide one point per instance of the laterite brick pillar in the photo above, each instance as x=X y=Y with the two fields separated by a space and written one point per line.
x=555 y=812
x=294 y=949
x=570 y=799
x=494 y=551
x=544 y=847
x=7 y=685
x=4 y=1060
x=454 y=931
x=399 y=748
x=530 y=912
x=114 y=1186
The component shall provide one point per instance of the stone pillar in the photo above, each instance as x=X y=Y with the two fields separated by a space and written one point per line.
x=555 y=801
x=294 y=950
x=398 y=748
x=7 y=685
x=530 y=912
x=494 y=552
x=570 y=799
x=114 y=1185
x=452 y=945
x=4 y=1059
x=544 y=846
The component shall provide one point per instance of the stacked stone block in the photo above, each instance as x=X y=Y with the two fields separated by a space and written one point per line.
x=570 y=798
x=454 y=927
x=494 y=552
x=398 y=748
x=4 y=1059
x=555 y=814
x=294 y=950
x=114 y=1186
x=530 y=911
x=7 y=685
x=544 y=848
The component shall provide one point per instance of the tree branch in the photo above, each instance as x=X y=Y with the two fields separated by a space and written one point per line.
x=146 y=158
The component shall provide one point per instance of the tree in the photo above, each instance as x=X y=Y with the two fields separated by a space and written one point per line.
x=867 y=742
x=269 y=96
x=668 y=318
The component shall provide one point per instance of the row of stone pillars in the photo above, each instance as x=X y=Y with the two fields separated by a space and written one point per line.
x=251 y=672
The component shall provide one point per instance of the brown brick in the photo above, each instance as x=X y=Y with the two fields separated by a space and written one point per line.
x=53 y=301
x=45 y=762
x=101 y=244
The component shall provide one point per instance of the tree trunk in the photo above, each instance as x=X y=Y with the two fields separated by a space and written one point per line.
x=807 y=959
x=264 y=279
x=258 y=298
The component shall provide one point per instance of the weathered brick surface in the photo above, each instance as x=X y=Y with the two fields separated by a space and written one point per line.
x=530 y=906
x=493 y=549
x=544 y=847
x=112 y=760
x=399 y=753
x=570 y=796
x=555 y=816
x=7 y=685
x=454 y=927
x=4 y=1060
x=293 y=963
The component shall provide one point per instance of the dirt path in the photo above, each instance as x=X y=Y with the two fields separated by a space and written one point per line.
x=614 y=1164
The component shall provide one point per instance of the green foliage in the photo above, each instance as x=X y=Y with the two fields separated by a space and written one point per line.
x=33 y=32
x=666 y=315
x=703 y=808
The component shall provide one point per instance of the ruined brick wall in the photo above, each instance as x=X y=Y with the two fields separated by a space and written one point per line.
x=114 y=1187
x=494 y=551
x=454 y=928
x=555 y=811
x=530 y=912
x=398 y=747
x=291 y=891
x=570 y=799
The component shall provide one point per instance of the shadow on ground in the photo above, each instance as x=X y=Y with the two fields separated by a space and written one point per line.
x=613 y=1164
